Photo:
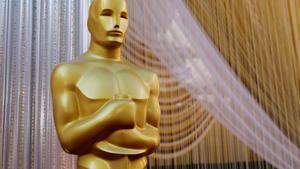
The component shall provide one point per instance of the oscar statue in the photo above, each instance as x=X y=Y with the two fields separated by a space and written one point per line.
x=106 y=110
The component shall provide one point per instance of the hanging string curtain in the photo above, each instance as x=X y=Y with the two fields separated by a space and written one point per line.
x=188 y=53
x=35 y=35
x=197 y=83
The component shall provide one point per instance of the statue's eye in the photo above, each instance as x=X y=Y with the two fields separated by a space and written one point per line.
x=107 y=12
x=124 y=15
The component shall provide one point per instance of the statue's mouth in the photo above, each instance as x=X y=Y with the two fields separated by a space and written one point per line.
x=115 y=33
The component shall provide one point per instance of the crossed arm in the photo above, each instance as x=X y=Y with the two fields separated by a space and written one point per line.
x=77 y=134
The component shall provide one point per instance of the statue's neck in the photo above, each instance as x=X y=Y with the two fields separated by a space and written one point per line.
x=101 y=52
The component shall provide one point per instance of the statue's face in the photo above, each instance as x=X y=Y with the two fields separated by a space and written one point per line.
x=108 y=22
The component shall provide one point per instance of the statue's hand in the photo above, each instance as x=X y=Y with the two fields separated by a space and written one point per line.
x=122 y=114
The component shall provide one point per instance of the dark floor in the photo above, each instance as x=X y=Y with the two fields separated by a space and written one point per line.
x=248 y=165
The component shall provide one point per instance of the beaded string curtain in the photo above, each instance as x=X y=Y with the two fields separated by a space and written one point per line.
x=189 y=55
x=36 y=35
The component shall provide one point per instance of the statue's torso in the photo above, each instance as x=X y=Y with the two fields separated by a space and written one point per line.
x=98 y=82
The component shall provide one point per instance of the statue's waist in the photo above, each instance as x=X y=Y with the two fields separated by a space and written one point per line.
x=125 y=162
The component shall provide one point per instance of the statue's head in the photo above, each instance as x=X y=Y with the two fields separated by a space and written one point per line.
x=108 y=22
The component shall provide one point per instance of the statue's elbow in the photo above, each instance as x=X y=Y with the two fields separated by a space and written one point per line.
x=155 y=138
x=157 y=141
x=154 y=145
x=68 y=145
x=71 y=145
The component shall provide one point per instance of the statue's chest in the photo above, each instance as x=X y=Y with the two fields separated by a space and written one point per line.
x=102 y=83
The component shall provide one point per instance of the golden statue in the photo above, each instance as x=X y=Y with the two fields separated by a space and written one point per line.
x=106 y=110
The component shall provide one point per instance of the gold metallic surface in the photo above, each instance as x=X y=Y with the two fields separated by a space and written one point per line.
x=106 y=110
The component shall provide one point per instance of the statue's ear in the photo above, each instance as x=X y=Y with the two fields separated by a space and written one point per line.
x=90 y=24
x=92 y=10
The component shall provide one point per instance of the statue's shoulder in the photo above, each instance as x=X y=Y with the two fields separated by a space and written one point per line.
x=152 y=80
x=63 y=69
x=67 y=71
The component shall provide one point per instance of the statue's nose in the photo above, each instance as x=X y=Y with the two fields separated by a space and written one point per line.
x=117 y=22
x=117 y=26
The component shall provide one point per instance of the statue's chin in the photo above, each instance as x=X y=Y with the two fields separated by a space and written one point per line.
x=112 y=45
x=114 y=42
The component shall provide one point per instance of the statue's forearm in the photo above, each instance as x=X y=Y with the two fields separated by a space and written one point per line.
x=82 y=132
x=137 y=138
x=79 y=133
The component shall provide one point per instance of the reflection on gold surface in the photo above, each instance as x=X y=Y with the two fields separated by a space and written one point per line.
x=106 y=110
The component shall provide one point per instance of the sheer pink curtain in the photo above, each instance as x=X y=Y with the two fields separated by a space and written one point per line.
x=182 y=46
